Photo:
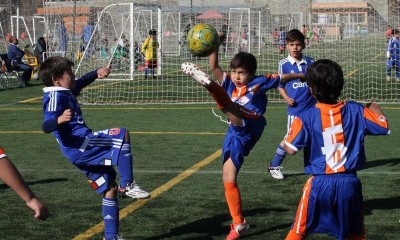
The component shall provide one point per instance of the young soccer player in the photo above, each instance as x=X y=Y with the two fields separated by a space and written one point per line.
x=94 y=153
x=393 y=56
x=295 y=93
x=241 y=96
x=149 y=49
x=332 y=135
x=10 y=175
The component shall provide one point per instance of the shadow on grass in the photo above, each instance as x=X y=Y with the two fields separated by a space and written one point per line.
x=382 y=203
x=43 y=181
x=381 y=162
x=214 y=226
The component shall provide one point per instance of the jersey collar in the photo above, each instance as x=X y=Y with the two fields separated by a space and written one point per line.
x=52 y=89
x=293 y=61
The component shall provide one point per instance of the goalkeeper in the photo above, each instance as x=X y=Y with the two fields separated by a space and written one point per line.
x=94 y=153
x=149 y=49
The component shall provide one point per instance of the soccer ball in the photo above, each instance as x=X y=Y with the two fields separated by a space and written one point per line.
x=202 y=40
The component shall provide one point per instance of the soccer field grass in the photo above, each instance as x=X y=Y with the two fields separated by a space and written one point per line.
x=177 y=158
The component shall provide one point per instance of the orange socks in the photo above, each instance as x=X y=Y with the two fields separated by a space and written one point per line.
x=220 y=96
x=232 y=195
x=292 y=235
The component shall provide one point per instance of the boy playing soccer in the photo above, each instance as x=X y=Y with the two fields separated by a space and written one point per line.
x=295 y=93
x=94 y=153
x=149 y=49
x=332 y=135
x=241 y=96
x=393 y=56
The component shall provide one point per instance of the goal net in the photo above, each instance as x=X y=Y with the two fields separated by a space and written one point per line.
x=351 y=33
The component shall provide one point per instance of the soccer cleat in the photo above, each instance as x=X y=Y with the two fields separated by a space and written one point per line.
x=133 y=190
x=237 y=230
x=118 y=237
x=276 y=172
x=195 y=72
x=388 y=78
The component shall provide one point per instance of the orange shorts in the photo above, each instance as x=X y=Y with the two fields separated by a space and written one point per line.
x=151 y=64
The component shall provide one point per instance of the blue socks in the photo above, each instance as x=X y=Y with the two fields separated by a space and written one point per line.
x=279 y=156
x=125 y=165
x=111 y=217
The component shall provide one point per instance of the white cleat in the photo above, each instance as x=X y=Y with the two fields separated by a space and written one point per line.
x=276 y=172
x=196 y=73
x=133 y=190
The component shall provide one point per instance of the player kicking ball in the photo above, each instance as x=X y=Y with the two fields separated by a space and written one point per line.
x=94 y=153
x=241 y=96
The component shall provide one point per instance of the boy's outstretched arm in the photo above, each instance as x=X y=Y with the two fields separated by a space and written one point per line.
x=214 y=65
x=10 y=175
x=292 y=76
x=103 y=72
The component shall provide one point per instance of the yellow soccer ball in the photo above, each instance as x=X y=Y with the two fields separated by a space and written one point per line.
x=202 y=40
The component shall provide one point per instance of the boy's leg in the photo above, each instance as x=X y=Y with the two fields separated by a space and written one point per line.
x=275 y=167
x=389 y=70
x=292 y=235
x=233 y=199
x=220 y=96
x=111 y=212
x=128 y=187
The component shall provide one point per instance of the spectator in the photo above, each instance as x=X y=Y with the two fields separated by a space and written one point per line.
x=87 y=36
x=15 y=55
x=40 y=49
x=62 y=38
x=341 y=30
x=389 y=33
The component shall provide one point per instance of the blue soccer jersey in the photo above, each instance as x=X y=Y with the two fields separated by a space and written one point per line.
x=297 y=89
x=253 y=102
x=393 y=50
x=56 y=100
x=333 y=136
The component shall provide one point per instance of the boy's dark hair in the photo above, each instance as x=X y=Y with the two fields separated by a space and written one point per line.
x=152 y=32
x=395 y=31
x=54 y=68
x=295 y=35
x=246 y=61
x=325 y=78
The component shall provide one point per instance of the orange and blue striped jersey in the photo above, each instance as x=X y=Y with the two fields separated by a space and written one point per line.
x=252 y=97
x=333 y=136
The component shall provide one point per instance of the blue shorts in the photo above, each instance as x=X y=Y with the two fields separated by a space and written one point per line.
x=240 y=140
x=331 y=204
x=100 y=152
x=393 y=63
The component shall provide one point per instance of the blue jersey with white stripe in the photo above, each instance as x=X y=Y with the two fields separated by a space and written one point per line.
x=297 y=89
x=394 y=48
x=70 y=136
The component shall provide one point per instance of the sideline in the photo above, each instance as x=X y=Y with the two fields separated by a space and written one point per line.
x=98 y=228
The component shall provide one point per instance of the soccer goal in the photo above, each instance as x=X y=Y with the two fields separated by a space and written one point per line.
x=351 y=33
